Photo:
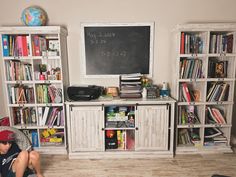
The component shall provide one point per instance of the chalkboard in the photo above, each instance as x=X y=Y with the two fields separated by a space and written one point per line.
x=117 y=49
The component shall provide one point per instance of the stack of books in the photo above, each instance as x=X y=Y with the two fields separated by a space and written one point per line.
x=214 y=136
x=130 y=86
x=215 y=115
x=218 y=91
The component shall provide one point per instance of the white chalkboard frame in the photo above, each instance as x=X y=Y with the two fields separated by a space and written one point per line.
x=116 y=24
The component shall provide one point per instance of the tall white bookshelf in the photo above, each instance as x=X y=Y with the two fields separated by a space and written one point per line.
x=205 y=62
x=35 y=74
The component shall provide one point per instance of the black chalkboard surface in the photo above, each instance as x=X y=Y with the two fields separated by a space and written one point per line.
x=115 y=50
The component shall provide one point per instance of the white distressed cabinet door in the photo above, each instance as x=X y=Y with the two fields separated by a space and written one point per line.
x=152 y=127
x=87 y=128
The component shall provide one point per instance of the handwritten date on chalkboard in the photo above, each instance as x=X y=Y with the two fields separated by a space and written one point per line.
x=114 y=50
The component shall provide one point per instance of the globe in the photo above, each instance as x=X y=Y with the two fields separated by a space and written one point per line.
x=34 y=16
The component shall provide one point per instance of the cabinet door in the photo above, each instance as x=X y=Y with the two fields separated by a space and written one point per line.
x=152 y=127
x=87 y=128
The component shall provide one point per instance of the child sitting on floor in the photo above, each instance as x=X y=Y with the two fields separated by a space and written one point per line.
x=15 y=162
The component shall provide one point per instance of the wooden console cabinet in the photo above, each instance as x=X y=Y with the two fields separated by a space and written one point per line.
x=120 y=128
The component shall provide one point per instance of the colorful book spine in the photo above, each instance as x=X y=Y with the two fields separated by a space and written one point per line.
x=35 y=141
x=5 y=45
x=182 y=44
x=36 y=45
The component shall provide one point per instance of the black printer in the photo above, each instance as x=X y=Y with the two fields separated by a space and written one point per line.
x=84 y=93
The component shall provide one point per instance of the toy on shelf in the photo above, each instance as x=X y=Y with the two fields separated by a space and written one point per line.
x=164 y=92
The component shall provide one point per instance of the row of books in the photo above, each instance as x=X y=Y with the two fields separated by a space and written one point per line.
x=45 y=46
x=120 y=139
x=212 y=136
x=191 y=68
x=187 y=94
x=188 y=136
x=215 y=115
x=19 y=45
x=191 y=43
x=130 y=86
x=17 y=70
x=24 y=116
x=221 y=43
x=217 y=69
x=218 y=91
x=51 y=116
x=188 y=115
x=20 y=94
x=15 y=45
x=48 y=93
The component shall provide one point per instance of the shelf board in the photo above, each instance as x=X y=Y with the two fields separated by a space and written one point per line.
x=190 y=126
x=192 y=80
x=124 y=128
x=19 y=82
x=48 y=82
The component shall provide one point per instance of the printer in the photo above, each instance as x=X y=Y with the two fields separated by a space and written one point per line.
x=84 y=93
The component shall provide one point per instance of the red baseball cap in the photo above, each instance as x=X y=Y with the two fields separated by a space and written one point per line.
x=7 y=135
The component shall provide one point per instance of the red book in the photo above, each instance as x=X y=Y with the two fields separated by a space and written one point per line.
x=218 y=116
x=19 y=45
x=186 y=93
x=182 y=43
x=24 y=46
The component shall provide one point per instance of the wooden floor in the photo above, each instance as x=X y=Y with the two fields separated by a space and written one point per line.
x=180 y=166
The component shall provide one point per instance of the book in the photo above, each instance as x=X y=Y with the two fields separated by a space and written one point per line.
x=40 y=115
x=212 y=132
x=217 y=114
x=130 y=95
x=5 y=45
x=45 y=115
x=186 y=93
x=34 y=136
x=36 y=46
x=133 y=75
x=224 y=93
x=230 y=40
x=211 y=117
x=182 y=43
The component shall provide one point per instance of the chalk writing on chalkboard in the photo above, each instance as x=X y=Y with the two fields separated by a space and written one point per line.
x=117 y=49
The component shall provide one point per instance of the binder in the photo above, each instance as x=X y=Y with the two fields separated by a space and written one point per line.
x=5 y=45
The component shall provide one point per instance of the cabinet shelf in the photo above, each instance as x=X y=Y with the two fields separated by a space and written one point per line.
x=32 y=59
x=110 y=128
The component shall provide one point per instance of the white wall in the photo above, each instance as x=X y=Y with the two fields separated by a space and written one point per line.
x=165 y=13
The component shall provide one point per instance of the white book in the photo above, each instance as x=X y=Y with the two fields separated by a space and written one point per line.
x=28 y=45
x=134 y=75
x=13 y=98
x=45 y=115
x=40 y=115
x=58 y=118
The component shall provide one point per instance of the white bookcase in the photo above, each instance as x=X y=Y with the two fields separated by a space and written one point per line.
x=35 y=66
x=205 y=60
x=121 y=128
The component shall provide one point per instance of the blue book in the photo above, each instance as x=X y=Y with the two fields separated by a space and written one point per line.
x=5 y=45
x=35 y=142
